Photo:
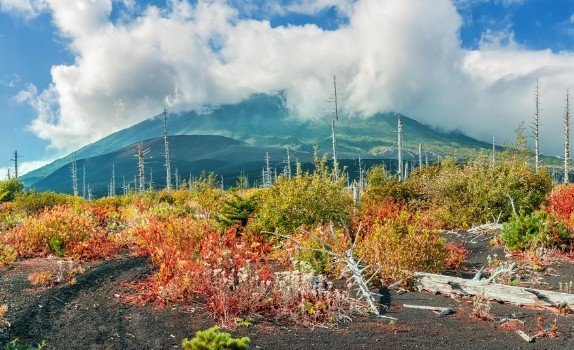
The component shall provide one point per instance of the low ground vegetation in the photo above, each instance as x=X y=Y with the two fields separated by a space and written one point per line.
x=252 y=254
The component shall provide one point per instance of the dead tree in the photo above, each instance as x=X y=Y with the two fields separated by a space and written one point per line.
x=536 y=127
x=493 y=154
x=352 y=266
x=566 y=136
x=15 y=160
x=267 y=179
x=288 y=168
x=420 y=155
x=84 y=181
x=113 y=181
x=141 y=163
x=333 y=132
x=166 y=152
x=74 y=176
x=400 y=147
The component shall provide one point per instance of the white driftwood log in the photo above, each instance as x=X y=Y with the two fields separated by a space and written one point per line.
x=500 y=292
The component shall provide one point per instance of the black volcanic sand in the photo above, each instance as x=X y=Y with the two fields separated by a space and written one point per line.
x=90 y=315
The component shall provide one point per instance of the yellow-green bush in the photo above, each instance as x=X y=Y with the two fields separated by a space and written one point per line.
x=400 y=242
x=33 y=202
x=306 y=200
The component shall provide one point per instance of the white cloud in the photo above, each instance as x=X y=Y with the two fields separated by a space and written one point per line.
x=26 y=8
x=23 y=168
x=393 y=55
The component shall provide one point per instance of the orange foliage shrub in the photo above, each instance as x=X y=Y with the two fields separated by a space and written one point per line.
x=455 y=256
x=171 y=244
x=62 y=231
x=400 y=242
x=562 y=204
x=50 y=231
x=41 y=279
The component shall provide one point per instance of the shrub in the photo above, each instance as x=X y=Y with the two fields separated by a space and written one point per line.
x=236 y=210
x=172 y=243
x=207 y=195
x=382 y=186
x=233 y=276
x=538 y=229
x=33 y=202
x=14 y=345
x=456 y=256
x=306 y=200
x=8 y=254
x=561 y=204
x=400 y=243
x=9 y=189
x=63 y=231
x=214 y=339
x=461 y=195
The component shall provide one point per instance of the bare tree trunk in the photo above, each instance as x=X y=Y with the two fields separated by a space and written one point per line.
x=400 y=147
x=166 y=155
x=420 y=155
x=15 y=160
x=536 y=128
x=335 y=160
x=141 y=170
x=566 y=136
x=84 y=182
x=74 y=176
x=493 y=154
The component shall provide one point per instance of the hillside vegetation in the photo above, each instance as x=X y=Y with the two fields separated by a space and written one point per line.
x=251 y=253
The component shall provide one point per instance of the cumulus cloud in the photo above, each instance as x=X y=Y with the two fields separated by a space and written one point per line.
x=390 y=55
x=26 y=8
x=23 y=168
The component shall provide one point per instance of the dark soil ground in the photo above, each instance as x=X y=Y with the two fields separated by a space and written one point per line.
x=90 y=314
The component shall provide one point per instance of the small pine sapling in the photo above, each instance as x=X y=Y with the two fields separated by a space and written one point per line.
x=214 y=339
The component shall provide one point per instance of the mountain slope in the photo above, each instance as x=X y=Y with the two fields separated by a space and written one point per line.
x=264 y=121
x=190 y=156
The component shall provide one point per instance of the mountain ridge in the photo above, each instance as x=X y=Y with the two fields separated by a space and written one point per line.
x=264 y=121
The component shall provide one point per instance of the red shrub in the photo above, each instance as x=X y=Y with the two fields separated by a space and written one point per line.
x=456 y=256
x=233 y=276
x=171 y=244
x=562 y=201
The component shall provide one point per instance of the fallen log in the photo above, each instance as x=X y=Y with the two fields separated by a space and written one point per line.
x=508 y=294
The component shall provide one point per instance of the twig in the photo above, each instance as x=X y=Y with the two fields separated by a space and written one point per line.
x=525 y=336
x=441 y=311
x=512 y=204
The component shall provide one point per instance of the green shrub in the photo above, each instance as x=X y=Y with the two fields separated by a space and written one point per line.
x=236 y=210
x=214 y=339
x=462 y=195
x=382 y=186
x=13 y=345
x=307 y=200
x=538 y=229
x=9 y=189
x=34 y=202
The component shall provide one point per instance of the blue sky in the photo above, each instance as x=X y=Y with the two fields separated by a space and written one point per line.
x=73 y=72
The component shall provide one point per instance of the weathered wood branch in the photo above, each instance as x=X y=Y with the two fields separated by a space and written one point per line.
x=441 y=311
x=502 y=293
x=486 y=228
